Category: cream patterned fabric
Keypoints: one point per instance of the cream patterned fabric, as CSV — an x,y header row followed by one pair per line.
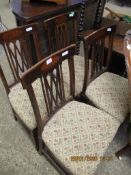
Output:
x,y
79,130
109,92
20,102
79,72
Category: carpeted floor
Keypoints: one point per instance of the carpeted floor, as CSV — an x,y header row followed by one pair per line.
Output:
x,y
17,153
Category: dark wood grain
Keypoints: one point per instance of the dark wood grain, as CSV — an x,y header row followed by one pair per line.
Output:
x,y
17,48
28,12
63,32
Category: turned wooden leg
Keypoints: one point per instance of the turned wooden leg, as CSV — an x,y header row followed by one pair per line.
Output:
x,y
123,151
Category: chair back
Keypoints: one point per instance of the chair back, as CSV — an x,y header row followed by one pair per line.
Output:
x,y
22,49
97,51
127,53
52,86
61,31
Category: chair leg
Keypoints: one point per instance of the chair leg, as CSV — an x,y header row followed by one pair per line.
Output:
x,y
38,142
124,150
41,146
34,135
15,116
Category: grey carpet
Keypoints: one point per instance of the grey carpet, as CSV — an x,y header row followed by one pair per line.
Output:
x,y
17,153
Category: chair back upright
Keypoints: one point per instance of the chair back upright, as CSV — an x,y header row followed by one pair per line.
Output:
x,y
22,49
97,51
127,54
53,86
61,31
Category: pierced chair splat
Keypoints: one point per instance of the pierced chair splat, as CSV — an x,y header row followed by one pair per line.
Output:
x,y
18,51
61,30
102,88
63,33
67,129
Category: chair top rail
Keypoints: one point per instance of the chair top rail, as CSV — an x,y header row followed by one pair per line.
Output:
x,y
47,65
17,44
18,32
100,33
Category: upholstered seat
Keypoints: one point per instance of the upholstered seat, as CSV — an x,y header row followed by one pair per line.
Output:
x,y
78,129
109,92
21,104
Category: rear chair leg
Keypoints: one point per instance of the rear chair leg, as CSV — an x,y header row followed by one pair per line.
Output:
x,y
15,116
34,136
38,142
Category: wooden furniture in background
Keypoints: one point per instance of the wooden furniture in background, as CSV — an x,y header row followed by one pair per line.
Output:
x,y
118,44
39,12
60,2
26,12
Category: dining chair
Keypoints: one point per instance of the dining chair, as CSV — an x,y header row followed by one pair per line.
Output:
x,y
18,51
102,88
71,133
127,53
62,30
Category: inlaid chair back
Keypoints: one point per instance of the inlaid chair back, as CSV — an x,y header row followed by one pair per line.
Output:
x,y
21,46
97,57
61,31
53,87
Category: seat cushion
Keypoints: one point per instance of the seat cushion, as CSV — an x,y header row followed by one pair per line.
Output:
x,y
20,102
109,92
78,129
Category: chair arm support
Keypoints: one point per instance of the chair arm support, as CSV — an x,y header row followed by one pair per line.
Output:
x,y
4,81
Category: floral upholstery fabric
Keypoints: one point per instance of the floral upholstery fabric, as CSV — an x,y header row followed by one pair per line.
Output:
x,y
20,102
78,129
109,92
